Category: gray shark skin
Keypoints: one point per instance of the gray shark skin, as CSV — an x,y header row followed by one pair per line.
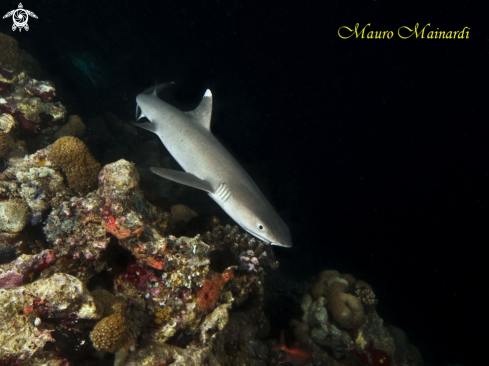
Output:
x,y
209,166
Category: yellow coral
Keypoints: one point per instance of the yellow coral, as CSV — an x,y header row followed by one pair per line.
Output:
x,y
162,315
110,334
76,162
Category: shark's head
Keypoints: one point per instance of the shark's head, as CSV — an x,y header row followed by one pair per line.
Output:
x,y
258,218
271,229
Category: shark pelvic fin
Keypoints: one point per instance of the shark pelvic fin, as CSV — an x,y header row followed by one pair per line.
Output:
x,y
146,125
183,178
203,113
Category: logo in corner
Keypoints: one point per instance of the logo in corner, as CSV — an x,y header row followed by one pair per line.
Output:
x,y
20,17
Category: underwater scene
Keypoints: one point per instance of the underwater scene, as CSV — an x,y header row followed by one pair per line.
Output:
x,y
243,183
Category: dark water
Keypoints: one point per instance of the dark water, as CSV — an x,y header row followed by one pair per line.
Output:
x,y
373,151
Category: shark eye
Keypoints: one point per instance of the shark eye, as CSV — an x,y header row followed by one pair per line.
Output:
x,y
260,227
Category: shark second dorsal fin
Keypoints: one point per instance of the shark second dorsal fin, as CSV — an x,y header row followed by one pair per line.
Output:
x,y
158,88
183,178
202,114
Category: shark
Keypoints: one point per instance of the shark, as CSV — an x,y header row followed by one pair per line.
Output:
x,y
208,165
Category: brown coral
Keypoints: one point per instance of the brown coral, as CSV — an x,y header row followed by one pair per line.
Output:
x,y
366,296
110,334
9,52
76,162
180,216
74,127
346,308
104,301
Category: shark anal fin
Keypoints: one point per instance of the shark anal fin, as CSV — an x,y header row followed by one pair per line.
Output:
x,y
146,125
202,114
183,178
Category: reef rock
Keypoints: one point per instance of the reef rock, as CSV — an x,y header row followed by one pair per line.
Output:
x,y
341,326
28,100
59,297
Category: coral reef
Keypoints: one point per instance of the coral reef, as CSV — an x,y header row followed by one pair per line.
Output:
x,y
75,161
74,127
24,268
91,270
28,100
14,215
13,59
21,333
341,326
110,333
7,141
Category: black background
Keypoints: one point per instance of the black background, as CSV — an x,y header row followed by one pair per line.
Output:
x,y
375,152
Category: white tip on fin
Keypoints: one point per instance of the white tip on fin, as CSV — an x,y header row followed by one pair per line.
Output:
x,y
202,114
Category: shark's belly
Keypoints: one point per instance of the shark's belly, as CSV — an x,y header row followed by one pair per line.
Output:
x,y
202,155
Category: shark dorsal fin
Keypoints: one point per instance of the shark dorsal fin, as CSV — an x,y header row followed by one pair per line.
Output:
x,y
202,114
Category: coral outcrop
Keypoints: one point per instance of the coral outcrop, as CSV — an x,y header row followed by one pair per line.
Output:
x,y
21,333
74,127
14,215
28,100
341,326
75,161
110,333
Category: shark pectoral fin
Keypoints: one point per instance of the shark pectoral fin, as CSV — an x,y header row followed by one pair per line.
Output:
x,y
183,178
146,125
202,114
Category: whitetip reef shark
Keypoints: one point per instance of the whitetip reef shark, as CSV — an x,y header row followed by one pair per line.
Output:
x,y
208,165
